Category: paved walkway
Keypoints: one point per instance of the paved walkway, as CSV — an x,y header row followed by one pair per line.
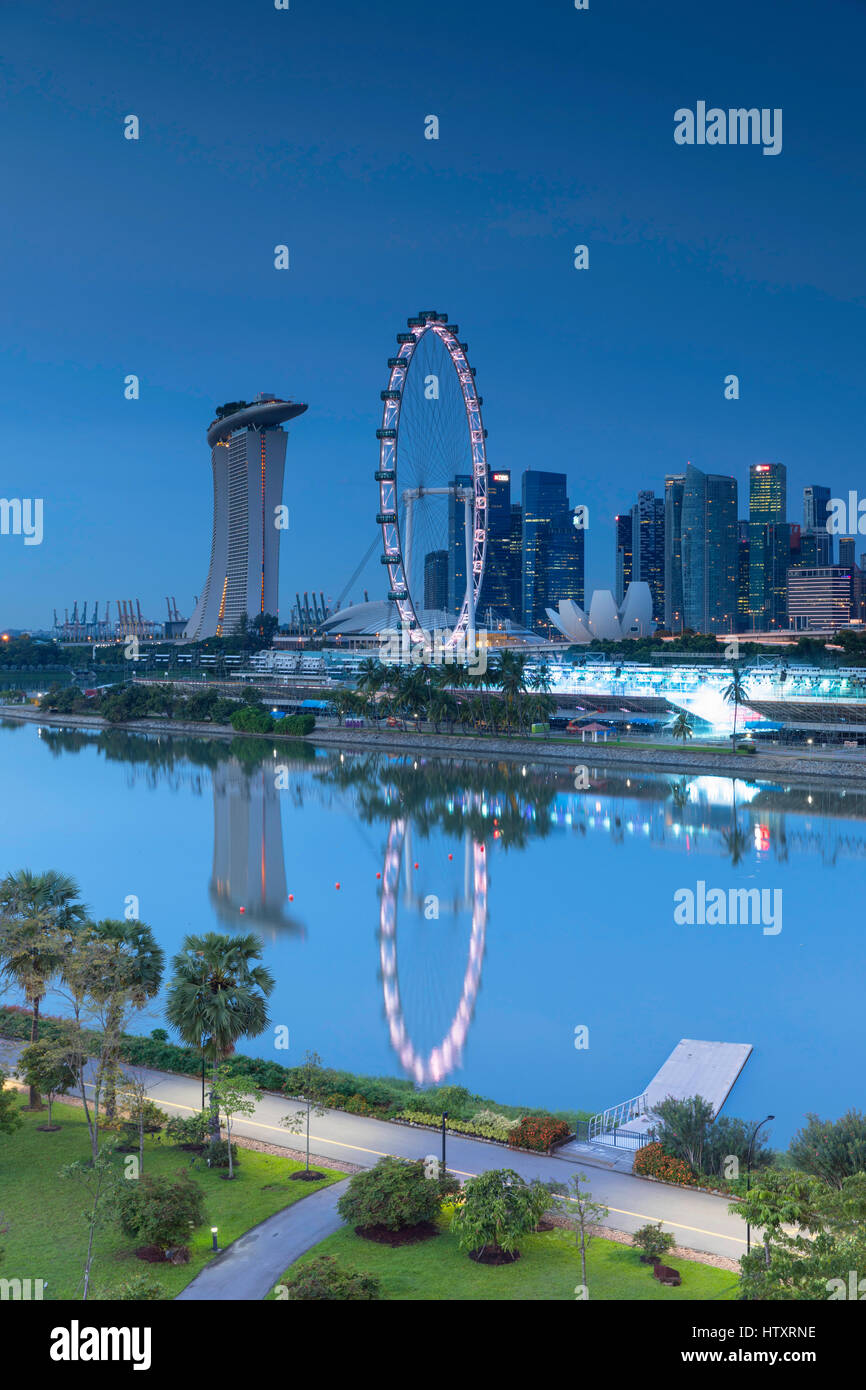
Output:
x,y
698,1220
252,1264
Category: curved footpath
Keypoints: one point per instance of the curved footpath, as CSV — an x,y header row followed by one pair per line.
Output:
x,y
698,1220
253,1263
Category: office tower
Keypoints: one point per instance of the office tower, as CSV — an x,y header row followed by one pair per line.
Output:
x,y
846,551
515,564
436,580
648,547
457,542
623,563
820,599
495,597
710,554
248,454
553,548
674,487
815,502
743,623
767,507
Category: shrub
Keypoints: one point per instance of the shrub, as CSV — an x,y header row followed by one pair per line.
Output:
x,y
498,1207
216,1153
831,1149
252,719
188,1129
395,1194
537,1132
652,1162
161,1211
322,1278
653,1241
493,1126
137,1289
296,724
456,1100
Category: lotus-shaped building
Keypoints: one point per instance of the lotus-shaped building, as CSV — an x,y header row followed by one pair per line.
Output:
x,y
606,621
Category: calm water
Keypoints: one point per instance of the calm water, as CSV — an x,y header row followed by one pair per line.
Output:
x,y
564,918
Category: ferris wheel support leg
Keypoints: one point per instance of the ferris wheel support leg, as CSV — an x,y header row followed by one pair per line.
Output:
x,y
468,523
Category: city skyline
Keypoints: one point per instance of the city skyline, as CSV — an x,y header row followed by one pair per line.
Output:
x,y
695,270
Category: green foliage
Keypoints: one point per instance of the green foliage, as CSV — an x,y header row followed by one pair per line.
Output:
x,y
161,1210
831,1149
395,1194
456,1100
323,1279
252,719
486,1124
498,1208
653,1241
188,1129
10,1120
296,724
216,1154
138,1288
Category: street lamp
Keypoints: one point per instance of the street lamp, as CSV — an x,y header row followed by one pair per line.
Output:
x,y
444,1118
749,1176
213,1232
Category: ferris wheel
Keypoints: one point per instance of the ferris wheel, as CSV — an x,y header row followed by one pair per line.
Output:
x,y
432,478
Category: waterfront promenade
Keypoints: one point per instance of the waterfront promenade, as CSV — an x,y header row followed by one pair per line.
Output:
x,y
698,1220
557,753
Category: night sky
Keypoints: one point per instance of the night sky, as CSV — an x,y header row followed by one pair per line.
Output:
x,y
306,127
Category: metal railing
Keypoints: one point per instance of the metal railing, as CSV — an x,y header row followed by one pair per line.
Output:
x,y
608,1122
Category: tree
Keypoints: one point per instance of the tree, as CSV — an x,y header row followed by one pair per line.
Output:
x,y
234,1096
307,1075
682,1127
396,1194
682,727
142,1115
781,1199
322,1279
498,1208
44,1066
586,1213
126,972
10,1119
217,996
161,1211
37,912
98,1180
735,693
831,1149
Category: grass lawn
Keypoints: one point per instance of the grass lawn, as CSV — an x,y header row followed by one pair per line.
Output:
x,y
47,1236
548,1269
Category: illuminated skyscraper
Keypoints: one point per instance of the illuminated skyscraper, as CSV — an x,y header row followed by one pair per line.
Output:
x,y
553,548
248,454
496,586
674,487
709,551
767,508
648,547
816,499
623,565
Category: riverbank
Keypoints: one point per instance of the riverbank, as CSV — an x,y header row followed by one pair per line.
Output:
x,y
549,752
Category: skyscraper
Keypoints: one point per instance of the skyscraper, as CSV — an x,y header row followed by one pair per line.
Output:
x,y
816,498
553,548
515,564
648,547
846,551
767,507
248,454
457,543
743,549
709,551
623,566
674,486
436,580
496,586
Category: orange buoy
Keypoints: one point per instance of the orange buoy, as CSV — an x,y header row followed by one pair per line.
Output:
x,y
451,856
378,875
291,897
336,885
416,866
243,909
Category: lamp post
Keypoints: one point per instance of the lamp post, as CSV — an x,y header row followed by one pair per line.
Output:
x,y
749,1176
213,1232
444,1118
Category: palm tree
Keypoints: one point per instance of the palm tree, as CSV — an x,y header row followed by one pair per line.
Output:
x,y
372,675
38,912
682,727
130,967
735,693
217,996
541,678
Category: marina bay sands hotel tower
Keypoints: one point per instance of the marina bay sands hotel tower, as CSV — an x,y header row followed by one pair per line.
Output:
x,y
248,455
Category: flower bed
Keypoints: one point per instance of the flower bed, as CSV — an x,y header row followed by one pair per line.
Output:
x,y
652,1162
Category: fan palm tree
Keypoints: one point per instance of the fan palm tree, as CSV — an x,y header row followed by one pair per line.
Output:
x,y
735,693
217,996
372,675
130,968
38,912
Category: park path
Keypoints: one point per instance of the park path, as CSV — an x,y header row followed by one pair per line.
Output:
x,y
253,1263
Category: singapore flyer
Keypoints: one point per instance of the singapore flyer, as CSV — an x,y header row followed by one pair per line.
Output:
x,y
432,478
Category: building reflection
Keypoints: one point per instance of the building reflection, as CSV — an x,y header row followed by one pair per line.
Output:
x,y
248,878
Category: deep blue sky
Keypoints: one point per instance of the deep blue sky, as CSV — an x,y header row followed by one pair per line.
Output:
x,y
306,127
